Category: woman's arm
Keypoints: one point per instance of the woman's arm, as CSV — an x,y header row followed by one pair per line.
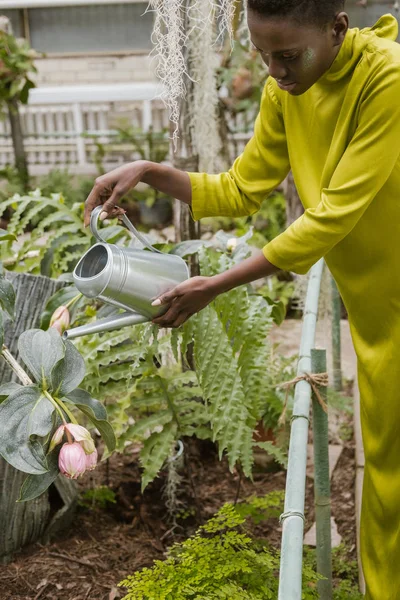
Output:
x,y
111,187
193,295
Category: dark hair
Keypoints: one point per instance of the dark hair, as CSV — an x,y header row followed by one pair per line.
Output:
x,y
313,12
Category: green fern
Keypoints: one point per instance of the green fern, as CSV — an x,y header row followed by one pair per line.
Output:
x,y
138,373
51,234
220,562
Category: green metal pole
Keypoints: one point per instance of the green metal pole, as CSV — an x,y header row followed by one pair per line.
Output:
x,y
321,481
336,351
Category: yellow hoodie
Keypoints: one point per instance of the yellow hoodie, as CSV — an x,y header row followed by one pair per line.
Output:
x,y
342,141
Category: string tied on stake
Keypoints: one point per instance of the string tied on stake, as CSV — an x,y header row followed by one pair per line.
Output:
x,y
315,380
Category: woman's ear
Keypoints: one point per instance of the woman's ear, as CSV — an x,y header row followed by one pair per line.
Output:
x,y
340,28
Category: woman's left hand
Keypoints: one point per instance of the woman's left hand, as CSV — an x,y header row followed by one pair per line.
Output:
x,y
185,300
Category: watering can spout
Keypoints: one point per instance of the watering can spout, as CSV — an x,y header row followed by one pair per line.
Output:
x,y
107,324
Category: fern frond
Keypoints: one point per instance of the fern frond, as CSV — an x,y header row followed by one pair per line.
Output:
x,y
146,425
217,370
274,451
156,449
255,356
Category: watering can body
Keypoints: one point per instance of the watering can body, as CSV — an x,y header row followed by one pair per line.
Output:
x,y
128,278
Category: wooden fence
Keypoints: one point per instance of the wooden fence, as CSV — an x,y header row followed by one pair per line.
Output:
x,y
61,125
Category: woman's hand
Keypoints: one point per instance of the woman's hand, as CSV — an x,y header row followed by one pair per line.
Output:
x,y
111,187
185,300
192,295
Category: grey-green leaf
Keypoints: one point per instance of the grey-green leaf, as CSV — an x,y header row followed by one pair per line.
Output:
x,y
9,388
61,297
35,485
97,414
25,416
189,247
68,373
7,296
40,351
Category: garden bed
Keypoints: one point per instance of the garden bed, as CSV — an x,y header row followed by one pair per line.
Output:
x,y
105,545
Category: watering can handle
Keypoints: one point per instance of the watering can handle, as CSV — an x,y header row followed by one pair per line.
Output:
x,y
94,218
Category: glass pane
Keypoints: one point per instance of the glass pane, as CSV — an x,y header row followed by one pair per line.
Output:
x,y
15,18
367,16
104,28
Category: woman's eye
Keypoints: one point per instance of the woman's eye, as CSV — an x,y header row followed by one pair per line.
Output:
x,y
289,56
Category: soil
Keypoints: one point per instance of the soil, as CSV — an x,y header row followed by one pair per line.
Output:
x,y
103,546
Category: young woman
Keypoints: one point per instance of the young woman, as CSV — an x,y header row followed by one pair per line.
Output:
x,y
330,111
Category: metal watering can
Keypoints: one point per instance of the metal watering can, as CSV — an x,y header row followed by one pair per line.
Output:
x,y
128,278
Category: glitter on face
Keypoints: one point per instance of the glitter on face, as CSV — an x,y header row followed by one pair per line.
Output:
x,y
308,58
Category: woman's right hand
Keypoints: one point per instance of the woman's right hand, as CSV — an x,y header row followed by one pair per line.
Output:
x,y
111,187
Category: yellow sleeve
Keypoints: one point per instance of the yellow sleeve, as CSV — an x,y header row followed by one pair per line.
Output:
x,y
362,171
261,167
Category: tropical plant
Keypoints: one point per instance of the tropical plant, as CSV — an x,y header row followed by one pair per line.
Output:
x,y
35,416
16,65
154,398
7,293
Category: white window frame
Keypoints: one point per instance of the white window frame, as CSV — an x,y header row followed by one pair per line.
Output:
x,y
24,5
10,4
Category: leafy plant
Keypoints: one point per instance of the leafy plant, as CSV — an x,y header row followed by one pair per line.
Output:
x,y
30,414
16,65
146,145
74,189
150,398
10,183
98,497
51,234
267,223
7,293
345,572
220,562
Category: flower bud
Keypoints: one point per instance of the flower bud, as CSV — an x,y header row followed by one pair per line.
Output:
x,y
81,434
60,319
91,460
57,437
72,460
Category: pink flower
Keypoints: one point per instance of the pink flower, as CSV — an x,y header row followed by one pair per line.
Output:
x,y
83,440
60,319
72,460
91,460
79,433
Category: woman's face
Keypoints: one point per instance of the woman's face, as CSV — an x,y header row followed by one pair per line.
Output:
x,y
296,55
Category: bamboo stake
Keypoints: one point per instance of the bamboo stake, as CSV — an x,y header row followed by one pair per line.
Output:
x,y
336,337
321,482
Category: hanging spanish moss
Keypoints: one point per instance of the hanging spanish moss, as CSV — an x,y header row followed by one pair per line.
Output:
x,y
226,14
185,37
169,38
